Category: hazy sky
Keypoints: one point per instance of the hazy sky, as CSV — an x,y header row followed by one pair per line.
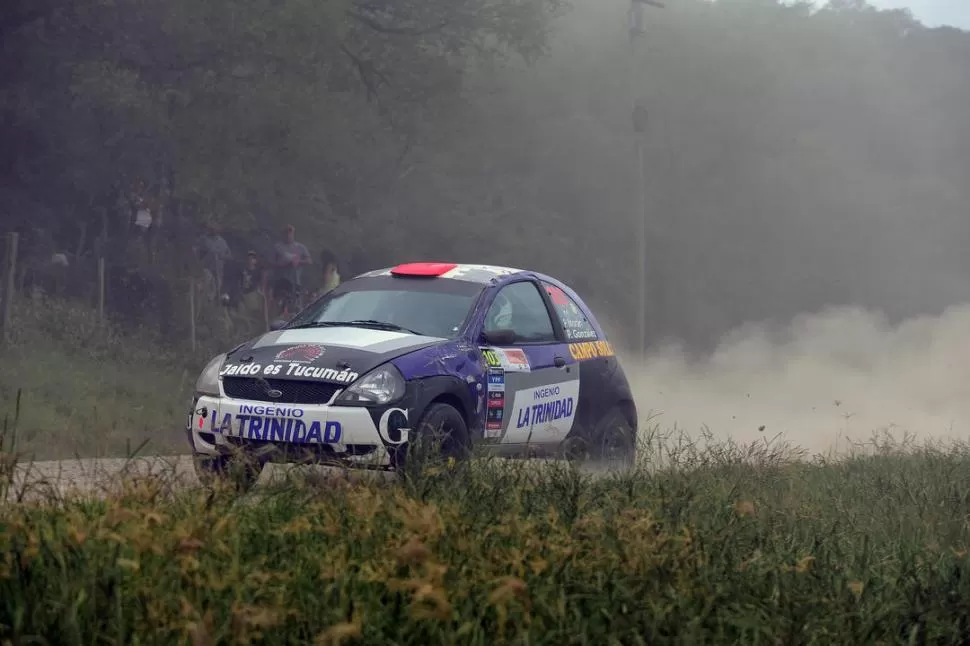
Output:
x,y
933,12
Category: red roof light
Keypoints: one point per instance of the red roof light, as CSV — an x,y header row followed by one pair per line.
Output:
x,y
423,269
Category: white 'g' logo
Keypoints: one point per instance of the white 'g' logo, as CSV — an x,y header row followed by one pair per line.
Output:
x,y
382,427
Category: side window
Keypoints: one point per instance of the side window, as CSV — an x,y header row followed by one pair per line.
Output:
x,y
520,307
574,322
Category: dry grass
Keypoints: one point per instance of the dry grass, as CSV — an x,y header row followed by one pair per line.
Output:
x,y
724,544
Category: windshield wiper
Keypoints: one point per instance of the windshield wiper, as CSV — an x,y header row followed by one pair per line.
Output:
x,y
356,323
316,324
381,324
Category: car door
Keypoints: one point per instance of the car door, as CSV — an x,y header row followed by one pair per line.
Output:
x,y
532,382
594,357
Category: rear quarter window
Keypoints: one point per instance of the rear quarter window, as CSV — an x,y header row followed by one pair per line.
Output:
x,y
574,322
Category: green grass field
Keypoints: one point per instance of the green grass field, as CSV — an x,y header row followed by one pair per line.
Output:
x,y
71,386
728,546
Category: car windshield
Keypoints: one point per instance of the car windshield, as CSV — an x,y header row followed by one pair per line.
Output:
x,y
431,308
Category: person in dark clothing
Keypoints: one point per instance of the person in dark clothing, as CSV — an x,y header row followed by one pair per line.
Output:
x,y
289,258
246,290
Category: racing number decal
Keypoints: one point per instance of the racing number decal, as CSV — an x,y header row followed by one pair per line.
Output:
x,y
491,358
508,359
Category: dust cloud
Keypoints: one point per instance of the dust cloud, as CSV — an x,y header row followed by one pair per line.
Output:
x,y
820,382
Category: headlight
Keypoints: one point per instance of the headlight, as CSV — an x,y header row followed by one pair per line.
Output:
x,y
382,385
208,381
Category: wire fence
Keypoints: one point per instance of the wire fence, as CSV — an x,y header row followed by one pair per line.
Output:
x,y
180,306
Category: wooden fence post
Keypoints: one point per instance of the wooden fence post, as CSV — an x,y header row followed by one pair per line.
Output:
x,y
266,311
192,311
100,289
9,291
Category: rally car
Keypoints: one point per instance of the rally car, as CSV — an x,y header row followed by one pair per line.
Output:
x,y
508,360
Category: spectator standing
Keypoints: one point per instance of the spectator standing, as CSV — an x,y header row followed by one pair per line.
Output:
x,y
246,287
331,277
141,204
213,252
288,260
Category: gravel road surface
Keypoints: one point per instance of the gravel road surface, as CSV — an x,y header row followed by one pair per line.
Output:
x,y
92,475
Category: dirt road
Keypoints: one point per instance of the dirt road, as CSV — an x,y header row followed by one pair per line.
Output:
x,y
94,475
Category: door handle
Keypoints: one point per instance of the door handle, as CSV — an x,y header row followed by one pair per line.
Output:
x,y
560,362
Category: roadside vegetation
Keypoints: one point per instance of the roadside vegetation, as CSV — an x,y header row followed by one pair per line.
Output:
x,y
73,386
712,544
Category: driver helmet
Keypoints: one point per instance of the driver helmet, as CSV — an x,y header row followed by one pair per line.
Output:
x,y
500,314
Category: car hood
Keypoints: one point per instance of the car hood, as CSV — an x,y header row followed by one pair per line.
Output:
x,y
331,354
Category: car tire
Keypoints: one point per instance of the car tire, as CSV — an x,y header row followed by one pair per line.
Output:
x,y
611,445
441,429
212,469
614,442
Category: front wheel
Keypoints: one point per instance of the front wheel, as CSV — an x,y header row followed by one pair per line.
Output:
x,y
241,471
441,433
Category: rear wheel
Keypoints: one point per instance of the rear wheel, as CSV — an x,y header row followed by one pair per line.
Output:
x,y
611,445
241,471
440,434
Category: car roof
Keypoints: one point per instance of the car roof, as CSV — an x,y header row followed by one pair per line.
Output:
x,y
478,274
483,274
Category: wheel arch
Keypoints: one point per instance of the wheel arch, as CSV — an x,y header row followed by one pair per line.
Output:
x,y
448,389
455,402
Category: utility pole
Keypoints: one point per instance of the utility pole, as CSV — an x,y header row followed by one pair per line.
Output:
x,y
637,29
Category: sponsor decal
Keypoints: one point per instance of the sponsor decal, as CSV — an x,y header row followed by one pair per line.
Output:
x,y
464,270
401,432
493,422
557,296
590,350
543,413
240,370
516,360
496,379
509,359
277,424
305,353
344,376
495,407
271,411
546,405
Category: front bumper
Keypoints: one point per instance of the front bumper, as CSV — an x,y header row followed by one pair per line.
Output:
x,y
287,432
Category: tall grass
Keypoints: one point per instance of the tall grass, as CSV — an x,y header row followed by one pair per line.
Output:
x,y
721,544
83,387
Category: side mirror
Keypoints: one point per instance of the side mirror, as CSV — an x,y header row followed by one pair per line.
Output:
x,y
499,337
277,325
